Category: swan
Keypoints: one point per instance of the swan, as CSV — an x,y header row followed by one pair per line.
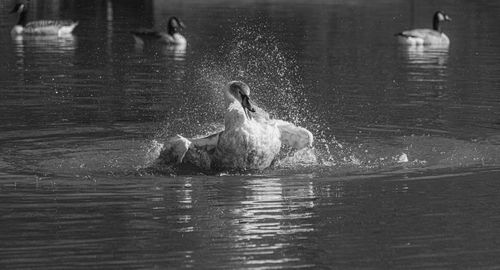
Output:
x,y
251,140
172,36
422,36
41,27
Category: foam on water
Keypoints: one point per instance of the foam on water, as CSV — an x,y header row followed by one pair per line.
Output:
x,y
404,154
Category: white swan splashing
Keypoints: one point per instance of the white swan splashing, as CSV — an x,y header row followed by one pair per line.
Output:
x,y
251,140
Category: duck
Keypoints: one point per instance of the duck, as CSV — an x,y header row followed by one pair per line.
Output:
x,y
251,139
434,36
40,27
171,37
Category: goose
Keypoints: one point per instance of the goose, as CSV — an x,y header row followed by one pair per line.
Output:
x,y
251,140
422,36
172,36
41,27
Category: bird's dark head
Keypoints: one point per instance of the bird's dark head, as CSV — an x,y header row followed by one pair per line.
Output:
x,y
174,24
18,8
441,16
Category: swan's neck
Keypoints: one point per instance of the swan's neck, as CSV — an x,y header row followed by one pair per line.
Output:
x,y
22,18
235,115
170,29
436,24
228,99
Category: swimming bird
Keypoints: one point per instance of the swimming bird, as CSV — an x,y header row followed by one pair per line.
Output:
x,y
434,36
251,140
41,27
172,36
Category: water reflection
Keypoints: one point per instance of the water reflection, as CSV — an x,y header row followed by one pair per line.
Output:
x,y
426,63
269,217
175,52
109,27
245,222
50,52
432,56
269,203
44,44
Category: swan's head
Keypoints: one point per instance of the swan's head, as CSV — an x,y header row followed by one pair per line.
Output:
x,y
441,16
174,24
239,91
17,8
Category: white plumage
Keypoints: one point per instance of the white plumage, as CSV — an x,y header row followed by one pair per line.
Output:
x,y
250,139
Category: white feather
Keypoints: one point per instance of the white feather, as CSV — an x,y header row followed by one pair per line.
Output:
x,y
245,143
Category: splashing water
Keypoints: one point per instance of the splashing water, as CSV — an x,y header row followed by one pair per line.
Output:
x,y
253,55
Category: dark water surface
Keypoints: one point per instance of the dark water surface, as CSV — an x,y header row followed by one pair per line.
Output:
x,y
405,168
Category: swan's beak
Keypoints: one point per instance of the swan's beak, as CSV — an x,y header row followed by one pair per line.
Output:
x,y
447,18
182,25
245,102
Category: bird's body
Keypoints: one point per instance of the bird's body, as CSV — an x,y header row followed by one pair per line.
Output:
x,y
246,143
171,37
425,36
250,139
40,27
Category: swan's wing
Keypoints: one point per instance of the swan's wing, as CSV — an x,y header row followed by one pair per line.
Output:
x,y
208,143
294,136
181,151
49,23
420,33
200,151
175,149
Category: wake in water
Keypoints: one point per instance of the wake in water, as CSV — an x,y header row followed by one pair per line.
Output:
x,y
255,58
253,55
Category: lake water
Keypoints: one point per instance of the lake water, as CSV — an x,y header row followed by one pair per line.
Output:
x,y
405,168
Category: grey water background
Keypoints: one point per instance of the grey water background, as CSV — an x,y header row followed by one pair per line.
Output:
x,y
404,174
